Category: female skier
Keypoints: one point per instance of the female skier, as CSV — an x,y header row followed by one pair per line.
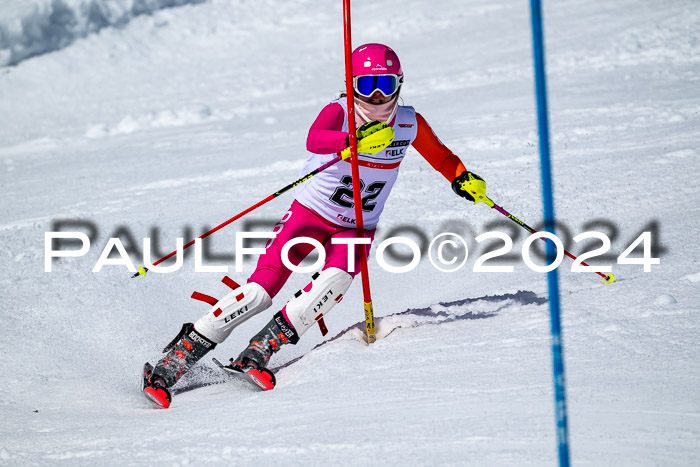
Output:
x,y
323,209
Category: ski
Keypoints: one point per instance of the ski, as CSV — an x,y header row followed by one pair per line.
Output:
x,y
262,379
157,394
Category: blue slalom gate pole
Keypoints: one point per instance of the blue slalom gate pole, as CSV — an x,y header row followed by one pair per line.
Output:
x,y
548,201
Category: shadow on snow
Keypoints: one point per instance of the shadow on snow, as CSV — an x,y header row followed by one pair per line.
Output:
x,y
443,312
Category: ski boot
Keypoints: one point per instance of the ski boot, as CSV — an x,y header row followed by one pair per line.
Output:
x,y
254,359
181,354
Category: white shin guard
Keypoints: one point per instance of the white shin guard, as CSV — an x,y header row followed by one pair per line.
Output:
x,y
317,299
232,310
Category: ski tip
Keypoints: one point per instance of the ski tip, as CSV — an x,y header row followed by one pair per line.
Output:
x,y
159,396
610,279
264,378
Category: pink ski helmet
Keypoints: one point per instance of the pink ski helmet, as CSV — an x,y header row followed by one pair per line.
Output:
x,y
375,59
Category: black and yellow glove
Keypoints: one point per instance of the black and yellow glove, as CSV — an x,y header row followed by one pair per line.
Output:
x,y
470,186
372,137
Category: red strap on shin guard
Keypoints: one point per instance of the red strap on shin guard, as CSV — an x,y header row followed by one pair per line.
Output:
x,y
230,283
322,325
204,298
233,285
207,299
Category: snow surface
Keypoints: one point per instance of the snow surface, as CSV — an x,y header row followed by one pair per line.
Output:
x,y
30,28
182,117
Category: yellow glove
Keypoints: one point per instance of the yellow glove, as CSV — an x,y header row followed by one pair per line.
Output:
x,y
372,137
470,186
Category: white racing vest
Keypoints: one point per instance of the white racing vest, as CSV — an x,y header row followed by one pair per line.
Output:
x,y
330,194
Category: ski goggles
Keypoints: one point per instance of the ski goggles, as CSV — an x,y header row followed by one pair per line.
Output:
x,y
366,85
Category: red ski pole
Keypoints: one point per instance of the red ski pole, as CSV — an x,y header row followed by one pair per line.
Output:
x,y
609,279
143,270
356,184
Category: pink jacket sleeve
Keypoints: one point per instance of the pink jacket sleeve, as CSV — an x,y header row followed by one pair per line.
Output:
x,y
325,135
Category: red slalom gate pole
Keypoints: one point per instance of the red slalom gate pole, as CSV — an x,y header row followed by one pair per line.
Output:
x,y
335,160
357,196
